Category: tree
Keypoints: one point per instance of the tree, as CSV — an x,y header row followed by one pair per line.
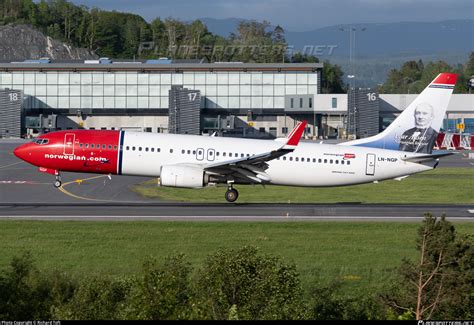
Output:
x,y
441,282
244,284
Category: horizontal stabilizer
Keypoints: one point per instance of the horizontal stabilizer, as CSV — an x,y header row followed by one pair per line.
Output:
x,y
424,158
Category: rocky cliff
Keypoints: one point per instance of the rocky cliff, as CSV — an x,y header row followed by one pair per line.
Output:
x,y
21,42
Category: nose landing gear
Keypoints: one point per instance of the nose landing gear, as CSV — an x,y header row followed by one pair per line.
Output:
x,y
57,182
231,194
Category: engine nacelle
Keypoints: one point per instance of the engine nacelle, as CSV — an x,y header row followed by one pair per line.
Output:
x,y
182,176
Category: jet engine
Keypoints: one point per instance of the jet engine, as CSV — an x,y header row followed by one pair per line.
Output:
x,y
182,176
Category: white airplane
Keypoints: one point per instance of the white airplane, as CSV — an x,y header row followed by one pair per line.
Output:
x,y
190,161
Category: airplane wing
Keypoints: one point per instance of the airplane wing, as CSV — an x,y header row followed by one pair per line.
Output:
x,y
253,168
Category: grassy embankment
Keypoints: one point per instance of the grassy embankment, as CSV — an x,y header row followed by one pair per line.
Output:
x,y
358,253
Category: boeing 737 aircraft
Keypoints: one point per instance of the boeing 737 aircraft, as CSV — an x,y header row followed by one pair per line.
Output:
x,y
404,148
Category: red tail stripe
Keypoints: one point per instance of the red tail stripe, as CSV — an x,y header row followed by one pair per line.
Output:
x,y
446,79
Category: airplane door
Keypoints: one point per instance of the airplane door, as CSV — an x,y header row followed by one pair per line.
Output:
x,y
370,167
69,143
199,153
211,154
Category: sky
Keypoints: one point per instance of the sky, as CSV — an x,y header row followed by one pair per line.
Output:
x,y
296,15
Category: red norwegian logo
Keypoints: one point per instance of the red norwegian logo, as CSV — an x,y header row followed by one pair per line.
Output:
x,y
349,155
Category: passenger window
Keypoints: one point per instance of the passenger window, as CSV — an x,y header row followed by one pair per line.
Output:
x,y
337,162
110,146
291,158
230,154
342,162
183,151
236,155
115,147
158,149
314,160
189,152
348,162
308,160
171,150
223,154
325,161
217,154
242,155
92,145
284,158
319,160
128,148
98,146
104,146
330,161
146,149
87,145
80,145
297,159
133,148
139,148
194,152
152,149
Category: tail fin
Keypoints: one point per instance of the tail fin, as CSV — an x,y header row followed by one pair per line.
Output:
x,y
416,128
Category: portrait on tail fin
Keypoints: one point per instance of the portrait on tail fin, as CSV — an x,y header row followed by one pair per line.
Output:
x,y
422,137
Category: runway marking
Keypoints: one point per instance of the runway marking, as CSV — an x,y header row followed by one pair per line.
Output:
x,y
79,181
19,162
22,182
470,211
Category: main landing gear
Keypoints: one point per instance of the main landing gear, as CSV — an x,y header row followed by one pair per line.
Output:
x,y
57,182
231,194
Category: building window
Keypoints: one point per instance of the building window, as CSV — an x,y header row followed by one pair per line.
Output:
x,y
261,130
310,102
292,102
284,130
301,102
334,102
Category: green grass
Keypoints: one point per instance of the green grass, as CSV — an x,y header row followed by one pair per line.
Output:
x,y
442,185
359,253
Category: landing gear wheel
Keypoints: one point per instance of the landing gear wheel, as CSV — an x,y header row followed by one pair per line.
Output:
x,y
231,195
57,183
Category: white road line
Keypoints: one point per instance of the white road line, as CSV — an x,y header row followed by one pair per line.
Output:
x,y
470,211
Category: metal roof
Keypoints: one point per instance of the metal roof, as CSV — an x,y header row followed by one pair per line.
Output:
x,y
173,67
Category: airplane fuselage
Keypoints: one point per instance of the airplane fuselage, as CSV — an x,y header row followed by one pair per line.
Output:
x,y
144,154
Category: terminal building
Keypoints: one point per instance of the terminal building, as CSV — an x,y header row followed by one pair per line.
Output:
x,y
234,99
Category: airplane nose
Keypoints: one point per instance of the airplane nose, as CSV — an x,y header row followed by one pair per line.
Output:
x,y
22,151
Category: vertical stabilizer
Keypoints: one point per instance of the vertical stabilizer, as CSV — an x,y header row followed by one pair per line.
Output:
x,y
416,128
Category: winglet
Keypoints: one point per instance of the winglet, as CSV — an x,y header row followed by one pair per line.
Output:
x,y
295,135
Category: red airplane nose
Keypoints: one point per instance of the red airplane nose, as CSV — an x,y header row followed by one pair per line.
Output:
x,y
22,151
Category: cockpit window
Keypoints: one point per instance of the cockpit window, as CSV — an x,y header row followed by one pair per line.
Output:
x,y
41,141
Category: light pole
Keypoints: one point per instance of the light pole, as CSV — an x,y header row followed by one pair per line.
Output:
x,y
352,43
